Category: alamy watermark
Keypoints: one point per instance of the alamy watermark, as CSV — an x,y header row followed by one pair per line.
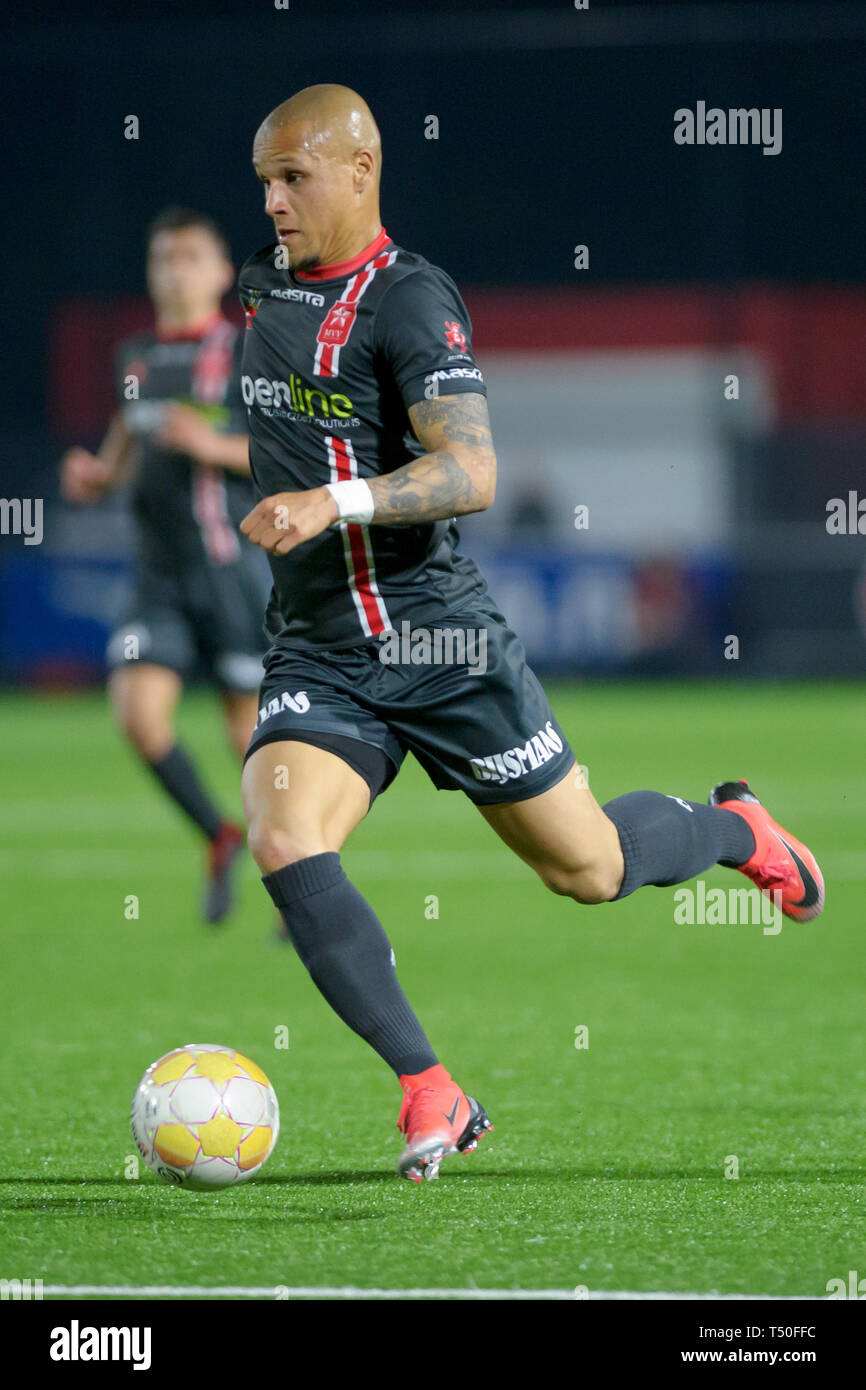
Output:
x,y
438,646
846,516
736,126
77,1343
854,1288
20,1290
22,516
728,907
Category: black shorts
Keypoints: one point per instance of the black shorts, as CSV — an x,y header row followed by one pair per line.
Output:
x,y
203,623
459,695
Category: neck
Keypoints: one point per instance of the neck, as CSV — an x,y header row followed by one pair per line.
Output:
x,y
170,324
359,249
353,242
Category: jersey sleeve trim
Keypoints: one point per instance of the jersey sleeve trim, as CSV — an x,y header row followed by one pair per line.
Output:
x,y
424,360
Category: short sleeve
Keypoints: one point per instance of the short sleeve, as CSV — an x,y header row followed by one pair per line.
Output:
x,y
424,337
237,422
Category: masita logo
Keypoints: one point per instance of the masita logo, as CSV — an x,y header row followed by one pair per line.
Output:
x,y
449,373
77,1343
298,704
432,379
300,297
515,762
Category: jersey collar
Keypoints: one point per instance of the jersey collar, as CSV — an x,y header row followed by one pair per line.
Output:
x,y
340,269
194,332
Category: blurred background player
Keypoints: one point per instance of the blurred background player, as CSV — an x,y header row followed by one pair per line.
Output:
x,y
199,591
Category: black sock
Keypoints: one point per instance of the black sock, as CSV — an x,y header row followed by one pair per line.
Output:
x,y
177,774
342,943
666,839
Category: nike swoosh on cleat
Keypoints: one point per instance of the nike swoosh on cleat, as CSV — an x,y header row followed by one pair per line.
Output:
x,y
450,1118
811,893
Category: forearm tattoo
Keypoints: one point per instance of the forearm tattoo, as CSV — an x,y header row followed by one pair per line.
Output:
x,y
440,484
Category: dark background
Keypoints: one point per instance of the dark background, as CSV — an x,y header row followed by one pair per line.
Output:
x,y
555,128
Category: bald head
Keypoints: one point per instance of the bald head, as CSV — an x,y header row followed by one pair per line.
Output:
x,y
319,156
336,121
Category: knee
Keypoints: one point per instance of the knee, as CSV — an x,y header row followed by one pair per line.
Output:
x,y
596,882
151,738
273,846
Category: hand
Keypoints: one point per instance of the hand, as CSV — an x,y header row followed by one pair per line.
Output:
x,y
84,477
287,519
186,432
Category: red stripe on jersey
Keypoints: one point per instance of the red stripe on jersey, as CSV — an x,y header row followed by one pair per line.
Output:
x,y
361,580
211,513
210,378
339,320
213,364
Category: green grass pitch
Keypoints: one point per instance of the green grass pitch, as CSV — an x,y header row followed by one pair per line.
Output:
x,y
607,1166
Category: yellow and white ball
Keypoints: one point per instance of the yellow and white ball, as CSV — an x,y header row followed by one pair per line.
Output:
x,y
205,1116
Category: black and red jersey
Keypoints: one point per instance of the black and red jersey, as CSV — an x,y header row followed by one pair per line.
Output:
x,y
332,361
185,512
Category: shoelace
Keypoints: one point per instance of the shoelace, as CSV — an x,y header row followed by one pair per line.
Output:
x,y
776,872
409,1101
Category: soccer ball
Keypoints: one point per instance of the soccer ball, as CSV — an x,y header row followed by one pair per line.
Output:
x,y
205,1116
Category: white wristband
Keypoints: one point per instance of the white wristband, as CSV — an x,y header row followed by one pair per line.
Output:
x,y
354,500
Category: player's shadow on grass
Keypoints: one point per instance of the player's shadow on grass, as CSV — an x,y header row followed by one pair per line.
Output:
x,y
300,1179
661,1174
349,1177
246,1216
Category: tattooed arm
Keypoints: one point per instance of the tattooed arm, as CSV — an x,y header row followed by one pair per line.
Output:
x,y
456,475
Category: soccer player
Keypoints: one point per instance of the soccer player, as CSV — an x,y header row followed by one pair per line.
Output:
x,y
199,589
369,434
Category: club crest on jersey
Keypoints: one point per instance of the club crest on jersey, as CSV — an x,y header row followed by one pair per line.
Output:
x,y
251,308
454,335
337,324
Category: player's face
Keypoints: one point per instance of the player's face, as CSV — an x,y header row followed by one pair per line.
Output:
x,y
187,272
308,194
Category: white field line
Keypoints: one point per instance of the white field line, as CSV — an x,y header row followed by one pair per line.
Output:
x,y
283,1292
33,862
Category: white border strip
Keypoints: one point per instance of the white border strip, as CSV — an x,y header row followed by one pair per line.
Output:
x,y
283,1291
